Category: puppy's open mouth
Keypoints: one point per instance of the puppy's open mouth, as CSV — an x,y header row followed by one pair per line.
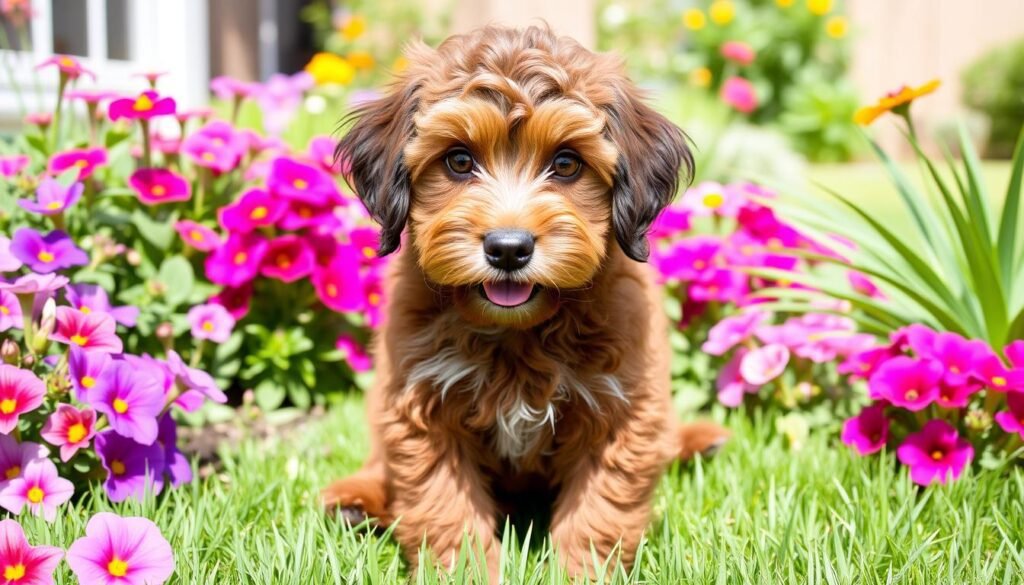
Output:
x,y
508,293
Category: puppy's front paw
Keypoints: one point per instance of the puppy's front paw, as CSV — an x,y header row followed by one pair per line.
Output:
x,y
704,437
356,499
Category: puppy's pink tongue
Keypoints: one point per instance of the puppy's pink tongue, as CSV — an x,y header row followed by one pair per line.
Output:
x,y
507,293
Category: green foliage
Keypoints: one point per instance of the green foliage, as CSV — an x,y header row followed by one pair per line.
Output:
x,y
994,85
817,118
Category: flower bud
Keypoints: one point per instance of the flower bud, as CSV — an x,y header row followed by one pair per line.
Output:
x,y
41,338
10,352
133,258
978,420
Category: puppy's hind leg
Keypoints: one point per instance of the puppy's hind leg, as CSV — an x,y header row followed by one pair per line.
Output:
x,y
360,496
704,437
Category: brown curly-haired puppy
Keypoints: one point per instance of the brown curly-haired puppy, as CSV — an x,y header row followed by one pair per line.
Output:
x,y
525,347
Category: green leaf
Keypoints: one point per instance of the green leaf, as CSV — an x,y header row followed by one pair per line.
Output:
x,y
38,143
1007,243
159,234
269,394
177,276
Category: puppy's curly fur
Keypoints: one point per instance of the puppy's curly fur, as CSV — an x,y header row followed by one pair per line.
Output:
x,y
479,407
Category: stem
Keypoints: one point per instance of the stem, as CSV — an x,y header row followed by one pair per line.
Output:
x,y
93,124
57,111
27,302
205,184
146,148
197,355
58,221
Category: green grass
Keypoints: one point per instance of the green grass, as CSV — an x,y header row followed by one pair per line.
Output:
x,y
756,513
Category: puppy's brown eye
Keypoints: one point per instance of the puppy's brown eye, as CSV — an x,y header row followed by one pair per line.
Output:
x,y
566,164
459,161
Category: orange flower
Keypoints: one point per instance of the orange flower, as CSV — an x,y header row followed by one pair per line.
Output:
x,y
897,102
360,59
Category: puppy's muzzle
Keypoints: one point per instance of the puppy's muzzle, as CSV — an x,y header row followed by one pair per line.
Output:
x,y
509,249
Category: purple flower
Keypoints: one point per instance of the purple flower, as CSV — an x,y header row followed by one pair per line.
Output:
x,y
731,385
132,468
868,431
10,311
48,253
937,453
11,166
35,284
89,298
253,210
40,488
731,331
24,564
21,391
8,261
52,198
131,397
15,457
238,260
70,429
229,88
764,364
301,182
121,551
175,463
907,382
1012,421
217,146
211,322
192,379
85,368
90,331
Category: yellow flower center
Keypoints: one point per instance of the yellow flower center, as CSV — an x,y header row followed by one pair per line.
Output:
x,y
143,104
300,184
117,467
693,19
158,190
120,406
713,200
85,310
911,394
53,205
701,77
283,261
305,212
218,141
81,163
8,405
373,298
936,455
241,257
836,27
819,7
67,62
999,381
12,472
76,433
196,235
207,325
954,369
332,290
258,213
722,12
699,264
45,256
14,572
87,382
117,568
35,494
208,156
79,340
369,252
4,311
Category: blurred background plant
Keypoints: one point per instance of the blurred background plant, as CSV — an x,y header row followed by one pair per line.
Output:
x,y
994,86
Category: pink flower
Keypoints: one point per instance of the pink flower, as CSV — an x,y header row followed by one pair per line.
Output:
x,y
121,551
217,146
197,235
238,260
321,151
907,382
151,76
91,298
868,431
9,262
131,396
15,457
731,331
739,93
23,564
90,331
86,160
229,88
235,299
301,182
35,284
212,322
1012,421
711,198
40,488
338,284
21,391
731,385
11,166
764,364
146,106
253,210
69,67
70,429
40,119
288,258
863,285
90,97
354,353
10,311
155,186
52,198
738,52
937,453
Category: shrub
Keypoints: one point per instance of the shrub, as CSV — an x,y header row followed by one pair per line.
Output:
x,y
994,85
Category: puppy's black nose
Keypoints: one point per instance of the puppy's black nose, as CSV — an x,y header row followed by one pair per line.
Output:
x,y
508,249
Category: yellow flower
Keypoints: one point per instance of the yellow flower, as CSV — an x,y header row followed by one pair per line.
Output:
x,y
694,19
783,3
722,12
836,27
897,101
819,7
701,77
330,68
353,27
360,59
400,64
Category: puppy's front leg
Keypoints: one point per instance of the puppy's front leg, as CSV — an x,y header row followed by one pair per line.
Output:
x,y
439,495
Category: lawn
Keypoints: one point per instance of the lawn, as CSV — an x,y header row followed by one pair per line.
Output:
x,y
758,512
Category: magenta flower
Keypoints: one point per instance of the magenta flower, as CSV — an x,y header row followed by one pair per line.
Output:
x,y
68,66
48,253
672,221
86,160
1012,421
191,379
90,331
373,293
132,468
121,551
131,397
39,488
730,384
732,330
738,52
304,215
868,431
229,88
217,146
989,369
864,285
238,260
764,364
354,353
690,259
864,363
338,284
8,261
146,106
156,186
197,235
21,391
739,93
212,322
253,210
24,564
52,198
907,382
288,258
301,182
321,151
10,311
720,284
937,453
15,457
70,429
85,368
175,463
366,240
235,299
13,165
957,355
91,298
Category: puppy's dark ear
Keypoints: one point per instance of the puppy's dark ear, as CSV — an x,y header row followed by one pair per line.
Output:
x,y
652,153
372,153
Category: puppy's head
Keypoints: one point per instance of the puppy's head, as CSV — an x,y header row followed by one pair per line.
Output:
x,y
516,159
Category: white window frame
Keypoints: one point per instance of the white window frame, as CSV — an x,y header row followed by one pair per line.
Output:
x,y
166,35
